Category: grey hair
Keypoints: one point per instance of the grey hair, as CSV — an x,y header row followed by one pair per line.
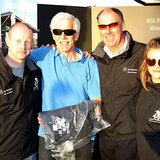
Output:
x,y
63,15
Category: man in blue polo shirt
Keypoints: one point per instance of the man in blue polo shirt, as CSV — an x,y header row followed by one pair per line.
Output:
x,y
68,77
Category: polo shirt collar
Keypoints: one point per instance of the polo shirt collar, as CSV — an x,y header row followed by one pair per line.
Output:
x,y
76,49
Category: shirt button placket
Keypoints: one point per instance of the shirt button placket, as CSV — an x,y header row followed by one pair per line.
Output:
x,y
65,64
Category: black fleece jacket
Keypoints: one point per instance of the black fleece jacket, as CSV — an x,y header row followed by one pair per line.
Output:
x,y
148,122
120,85
20,102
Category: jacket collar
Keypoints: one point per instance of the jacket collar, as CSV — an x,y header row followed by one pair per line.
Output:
x,y
153,87
4,65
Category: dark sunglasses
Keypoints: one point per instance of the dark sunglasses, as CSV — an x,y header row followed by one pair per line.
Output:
x,y
67,32
111,26
152,62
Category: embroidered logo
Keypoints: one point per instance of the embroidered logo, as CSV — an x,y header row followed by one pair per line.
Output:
x,y
36,84
6,92
128,70
156,117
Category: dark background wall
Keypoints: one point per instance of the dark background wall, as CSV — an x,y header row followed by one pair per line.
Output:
x,y
45,14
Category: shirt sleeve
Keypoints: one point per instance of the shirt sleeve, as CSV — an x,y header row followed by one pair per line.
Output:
x,y
93,80
39,54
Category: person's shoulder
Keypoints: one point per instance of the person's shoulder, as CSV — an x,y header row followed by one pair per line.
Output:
x,y
90,62
4,50
131,41
43,49
86,60
31,65
140,44
138,50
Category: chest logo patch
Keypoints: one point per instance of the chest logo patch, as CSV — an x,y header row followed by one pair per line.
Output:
x,y
6,92
130,70
156,117
36,84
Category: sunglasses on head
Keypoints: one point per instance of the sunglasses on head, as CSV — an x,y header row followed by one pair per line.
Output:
x,y
152,62
111,26
67,32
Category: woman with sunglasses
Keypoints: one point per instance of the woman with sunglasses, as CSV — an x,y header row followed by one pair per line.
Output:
x,y
148,103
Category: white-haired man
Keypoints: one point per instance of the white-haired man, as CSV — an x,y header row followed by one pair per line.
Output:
x,y
67,76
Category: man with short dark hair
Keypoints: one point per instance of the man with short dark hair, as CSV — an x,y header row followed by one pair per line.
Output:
x,y
118,57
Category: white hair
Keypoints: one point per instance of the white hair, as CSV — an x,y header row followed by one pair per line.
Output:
x,y
63,15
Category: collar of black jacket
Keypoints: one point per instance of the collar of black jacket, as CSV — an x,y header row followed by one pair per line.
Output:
x,y
4,51
153,87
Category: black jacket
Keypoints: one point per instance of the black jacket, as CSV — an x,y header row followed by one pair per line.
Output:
x,y
148,123
20,102
119,86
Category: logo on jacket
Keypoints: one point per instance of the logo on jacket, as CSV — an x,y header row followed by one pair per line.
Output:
x,y
156,117
128,70
36,84
7,91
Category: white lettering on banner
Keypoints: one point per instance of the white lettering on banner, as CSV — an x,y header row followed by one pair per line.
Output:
x,y
154,28
155,24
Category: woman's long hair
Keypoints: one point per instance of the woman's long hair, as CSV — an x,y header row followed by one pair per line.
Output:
x,y
144,74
